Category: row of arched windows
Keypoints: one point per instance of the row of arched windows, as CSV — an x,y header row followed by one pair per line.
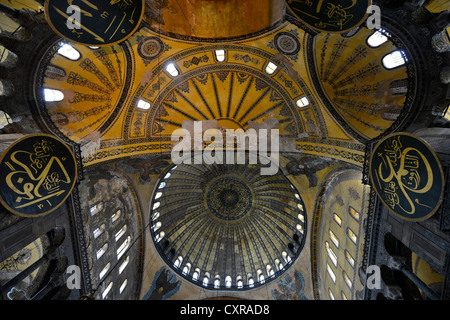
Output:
x,y
332,246
120,237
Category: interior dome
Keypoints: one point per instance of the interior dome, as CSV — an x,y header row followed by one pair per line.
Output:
x,y
226,226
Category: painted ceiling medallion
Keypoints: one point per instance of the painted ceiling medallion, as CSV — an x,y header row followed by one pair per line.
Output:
x,y
330,15
287,43
225,226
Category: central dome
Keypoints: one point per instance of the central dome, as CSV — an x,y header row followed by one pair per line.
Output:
x,y
227,226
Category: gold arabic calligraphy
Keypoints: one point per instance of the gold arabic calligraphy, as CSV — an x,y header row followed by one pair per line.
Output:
x,y
408,171
337,15
39,178
88,10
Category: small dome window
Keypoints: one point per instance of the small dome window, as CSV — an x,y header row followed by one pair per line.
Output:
x,y
302,102
69,52
377,38
172,70
52,95
143,105
220,55
394,59
271,68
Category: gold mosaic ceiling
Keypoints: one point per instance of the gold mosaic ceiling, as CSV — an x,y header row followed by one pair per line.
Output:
x,y
104,87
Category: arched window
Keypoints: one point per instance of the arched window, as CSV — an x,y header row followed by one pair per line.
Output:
x,y
220,55
122,287
69,52
347,280
334,239
123,247
143,105
53,95
251,282
96,208
331,254
178,262
351,235
337,219
162,185
286,257
271,68
155,216
394,59
156,205
278,264
217,281
107,290
377,38
228,281
98,231
104,271
120,233
157,225
353,213
172,70
187,268
349,258
196,274
124,264
331,273
206,279
302,102
239,282
269,270
300,228
260,276
159,236
116,216
102,250
330,294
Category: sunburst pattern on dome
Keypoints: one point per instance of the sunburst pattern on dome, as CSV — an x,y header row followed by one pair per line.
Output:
x,y
227,226
90,83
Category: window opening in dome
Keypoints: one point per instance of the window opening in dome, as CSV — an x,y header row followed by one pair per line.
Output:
x,y
337,219
122,287
104,271
347,280
120,233
98,231
302,102
102,251
220,55
331,273
271,68
394,59
124,264
377,38
69,52
172,70
334,239
143,105
349,258
107,290
52,95
331,253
